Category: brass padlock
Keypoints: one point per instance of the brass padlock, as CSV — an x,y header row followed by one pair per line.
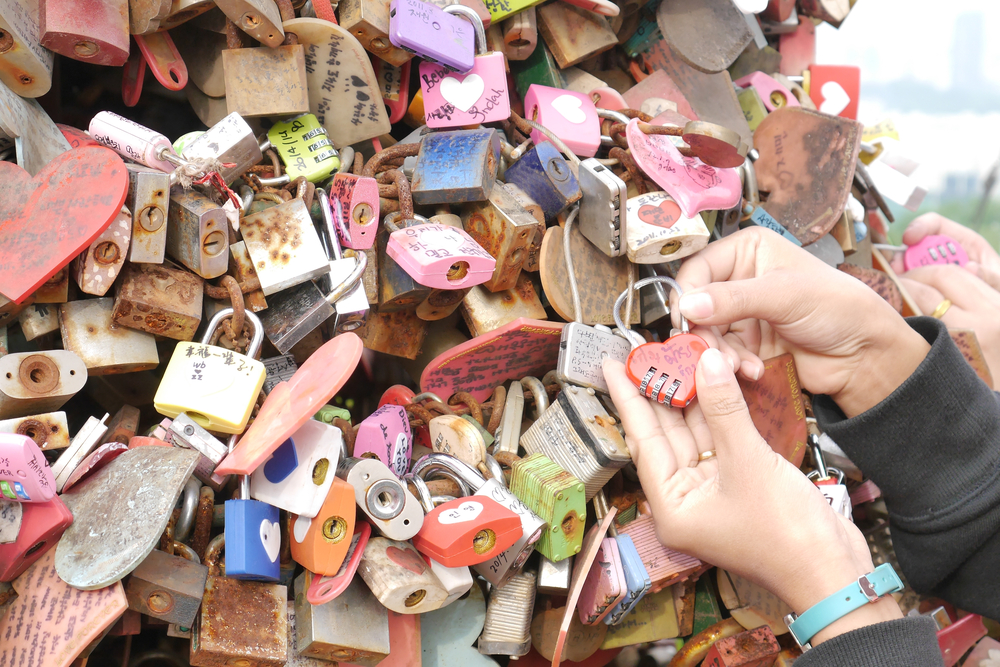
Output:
x,y
159,299
167,587
505,230
88,329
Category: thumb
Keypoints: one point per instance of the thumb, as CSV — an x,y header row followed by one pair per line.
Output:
x,y
735,437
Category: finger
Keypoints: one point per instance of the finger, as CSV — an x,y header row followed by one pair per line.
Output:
x,y
961,287
988,275
694,416
678,434
778,297
975,245
732,356
746,254
926,297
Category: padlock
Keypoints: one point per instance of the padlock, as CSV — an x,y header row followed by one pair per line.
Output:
x,y
134,141
935,249
752,648
197,235
432,33
478,95
441,303
555,496
253,536
33,382
48,430
230,606
353,627
88,329
507,630
602,218
485,311
159,299
322,544
546,177
520,34
96,268
359,208
80,447
577,433
582,351
28,66
439,256
97,35
466,532
304,148
241,268
229,141
284,246
298,475
452,435
281,369
657,230
498,571
145,17
772,94
829,481
456,166
386,435
396,288
604,586
554,578
368,20
25,475
400,578
663,372
570,116
42,524
352,308
185,432
167,587
215,386
636,577
37,320
539,68
148,199
752,106
389,506
752,208
258,18
664,565
504,229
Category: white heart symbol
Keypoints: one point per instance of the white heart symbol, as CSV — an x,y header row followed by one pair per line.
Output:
x,y
835,98
462,94
467,511
300,528
751,6
569,107
270,537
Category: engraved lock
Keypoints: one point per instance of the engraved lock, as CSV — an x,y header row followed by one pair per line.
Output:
x,y
28,66
80,447
577,433
353,627
368,21
503,228
604,586
96,268
456,580
33,382
456,166
657,231
479,95
197,233
148,199
603,220
545,175
452,435
829,480
98,35
25,475
400,578
441,303
258,18
390,507
467,531
49,430
159,299
284,246
352,308
280,369
499,570
253,535
663,372
230,141
935,249
570,116
298,475
218,634
87,328
386,435
558,498
42,524
432,33
304,148
582,351
441,257
167,587
359,208
507,630
635,576
321,544
133,141
215,386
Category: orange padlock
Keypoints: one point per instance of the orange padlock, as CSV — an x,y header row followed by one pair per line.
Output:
x,y
467,531
320,544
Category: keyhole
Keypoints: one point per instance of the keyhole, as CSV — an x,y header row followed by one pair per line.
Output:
x,y
484,541
777,99
334,529
415,598
458,271
249,21
86,49
319,471
214,243
670,247
106,252
518,43
362,214
160,602
151,218
568,524
6,41
558,169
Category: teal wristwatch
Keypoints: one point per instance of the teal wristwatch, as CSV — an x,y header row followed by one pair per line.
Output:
x,y
868,588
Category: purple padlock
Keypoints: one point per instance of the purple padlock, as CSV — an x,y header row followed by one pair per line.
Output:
x,y
440,256
25,475
386,435
432,33
935,249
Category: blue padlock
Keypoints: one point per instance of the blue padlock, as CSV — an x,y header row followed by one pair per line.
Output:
x,y
455,167
253,536
636,580
545,176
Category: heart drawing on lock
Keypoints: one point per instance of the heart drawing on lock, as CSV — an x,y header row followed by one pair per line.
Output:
x,y
467,511
835,98
663,215
48,219
569,107
463,95
270,537
664,372
407,558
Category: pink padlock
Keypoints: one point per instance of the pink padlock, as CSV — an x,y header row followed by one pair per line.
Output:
x,y
25,475
131,140
604,586
772,94
440,256
359,206
386,435
935,249
570,116
478,96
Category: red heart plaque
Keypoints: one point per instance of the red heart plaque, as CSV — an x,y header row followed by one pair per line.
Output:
x,y
664,372
664,215
48,220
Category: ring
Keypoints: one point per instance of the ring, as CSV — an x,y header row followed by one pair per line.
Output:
x,y
941,309
706,456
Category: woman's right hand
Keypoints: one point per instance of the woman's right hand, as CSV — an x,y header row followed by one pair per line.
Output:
x,y
984,261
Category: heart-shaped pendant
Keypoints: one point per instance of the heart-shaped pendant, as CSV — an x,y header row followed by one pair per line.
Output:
x,y
664,372
48,220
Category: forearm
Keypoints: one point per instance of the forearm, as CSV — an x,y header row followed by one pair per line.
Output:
x,y
906,642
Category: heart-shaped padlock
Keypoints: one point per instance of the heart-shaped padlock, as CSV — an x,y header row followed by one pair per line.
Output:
x,y
663,372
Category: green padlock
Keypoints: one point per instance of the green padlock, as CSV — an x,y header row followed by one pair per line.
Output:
x,y
753,107
558,498
328,413
540,67
304,148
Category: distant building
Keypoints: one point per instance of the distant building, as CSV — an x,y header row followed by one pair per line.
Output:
x,y
960,186
967,52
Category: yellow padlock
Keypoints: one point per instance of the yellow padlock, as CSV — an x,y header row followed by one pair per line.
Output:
x,y
215,386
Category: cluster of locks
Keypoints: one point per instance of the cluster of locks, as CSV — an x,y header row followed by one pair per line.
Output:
x,y
476,238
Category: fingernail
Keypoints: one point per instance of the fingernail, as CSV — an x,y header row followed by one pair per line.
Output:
x,y
697,306
714,367
972,266
732,364
750,370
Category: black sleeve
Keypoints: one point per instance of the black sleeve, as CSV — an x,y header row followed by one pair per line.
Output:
x,y
906,642
933,448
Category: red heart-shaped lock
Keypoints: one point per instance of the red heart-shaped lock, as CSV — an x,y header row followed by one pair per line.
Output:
x,y
664,372
664,215
48,220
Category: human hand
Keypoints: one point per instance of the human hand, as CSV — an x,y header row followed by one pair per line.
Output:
x,y
754,295
747,510
984,261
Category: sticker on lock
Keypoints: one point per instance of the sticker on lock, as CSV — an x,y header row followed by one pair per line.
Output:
x,y
467,531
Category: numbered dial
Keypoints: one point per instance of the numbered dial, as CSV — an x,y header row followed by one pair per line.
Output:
x,y
664,372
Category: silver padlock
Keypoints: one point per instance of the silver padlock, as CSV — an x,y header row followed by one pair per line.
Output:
x,y
582,351
187,433
353,626
352,308
507,630
388,504
602,208
149,201
284,246
229,141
